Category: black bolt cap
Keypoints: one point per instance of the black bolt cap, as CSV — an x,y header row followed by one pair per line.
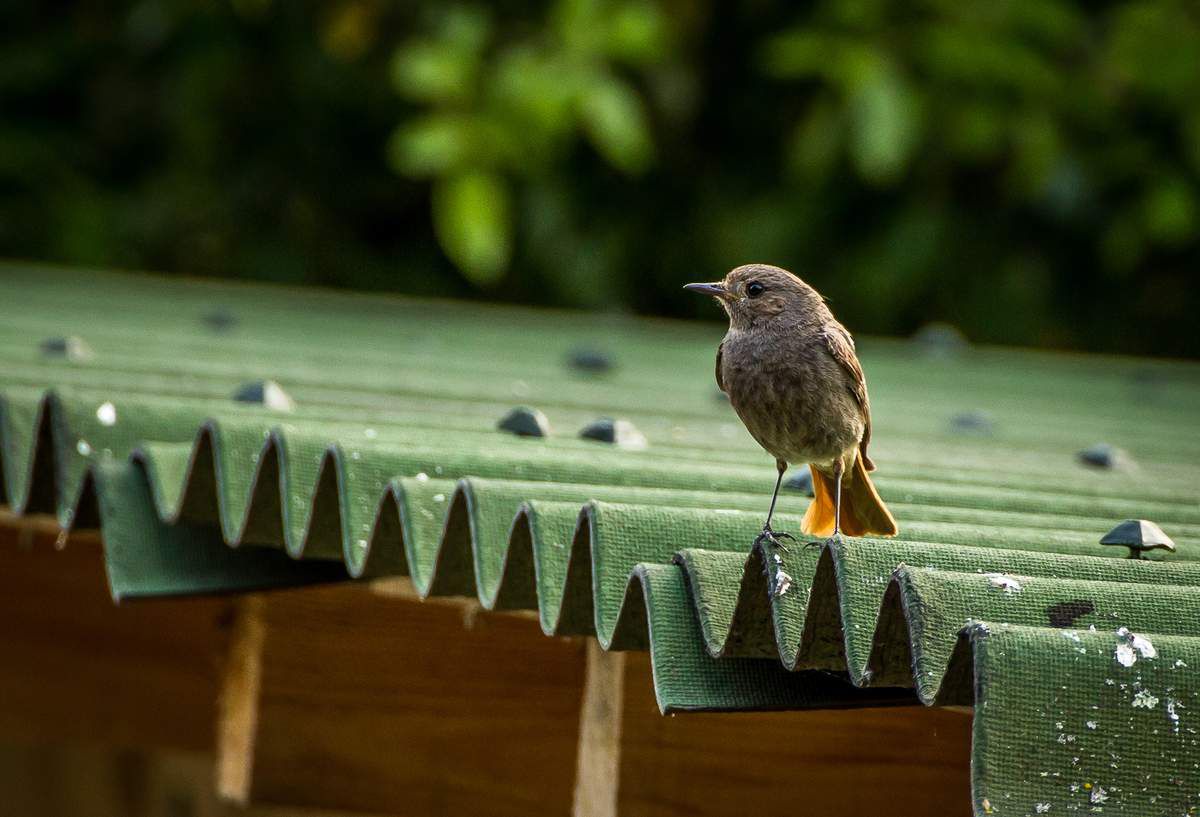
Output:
x,y
973,422
525,422
220,319
267,393
1103,455
621,433
800,481
592,361
1138,535
69,347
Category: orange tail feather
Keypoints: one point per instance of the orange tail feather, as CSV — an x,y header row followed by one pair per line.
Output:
x,y
863,511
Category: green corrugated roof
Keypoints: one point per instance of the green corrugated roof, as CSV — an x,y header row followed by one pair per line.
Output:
x,y
390,463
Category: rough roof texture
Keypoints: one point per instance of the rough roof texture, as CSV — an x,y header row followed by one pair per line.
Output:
x,y
390,463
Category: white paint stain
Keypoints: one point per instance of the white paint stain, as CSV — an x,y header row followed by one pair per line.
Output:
x,y
1142,699
1006,583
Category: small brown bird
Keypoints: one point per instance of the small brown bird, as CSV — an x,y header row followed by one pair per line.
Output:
x,y
791,373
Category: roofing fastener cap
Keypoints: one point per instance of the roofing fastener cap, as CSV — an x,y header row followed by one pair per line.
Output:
x,y
1138,535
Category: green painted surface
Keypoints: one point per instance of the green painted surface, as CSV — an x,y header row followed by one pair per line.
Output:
x,y
390,464
1066,726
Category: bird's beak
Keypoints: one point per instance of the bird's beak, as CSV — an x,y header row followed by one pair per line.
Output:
x,y
716,289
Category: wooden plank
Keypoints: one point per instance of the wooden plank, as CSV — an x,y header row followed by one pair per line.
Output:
x,y
361,699
50,781
375,702
293,811
78,668
176,784
835,763
68,780
597,776
64,780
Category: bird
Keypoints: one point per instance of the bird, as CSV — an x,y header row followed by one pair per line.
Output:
x,y
791,373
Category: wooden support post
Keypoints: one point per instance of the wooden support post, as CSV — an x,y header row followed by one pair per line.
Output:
x,y
238,705
597,776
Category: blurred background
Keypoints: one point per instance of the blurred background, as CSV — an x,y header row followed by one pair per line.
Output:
x,y
1027,170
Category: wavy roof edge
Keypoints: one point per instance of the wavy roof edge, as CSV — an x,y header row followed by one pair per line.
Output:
x,y
126,501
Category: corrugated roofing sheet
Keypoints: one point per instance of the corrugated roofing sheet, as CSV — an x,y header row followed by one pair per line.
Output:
x,y
996,594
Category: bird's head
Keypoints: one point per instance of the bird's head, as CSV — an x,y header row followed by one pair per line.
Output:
x,y
754,293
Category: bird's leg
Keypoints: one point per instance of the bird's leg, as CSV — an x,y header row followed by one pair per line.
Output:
x,y
768,534
838,470
781,466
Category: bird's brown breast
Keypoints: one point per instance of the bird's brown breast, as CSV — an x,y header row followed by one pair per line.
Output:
x,y
790,393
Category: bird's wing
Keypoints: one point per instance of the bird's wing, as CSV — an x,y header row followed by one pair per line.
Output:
x,y
720,383
841,346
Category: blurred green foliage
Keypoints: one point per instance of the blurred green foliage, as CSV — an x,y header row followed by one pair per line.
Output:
x,y
1026,170
504,108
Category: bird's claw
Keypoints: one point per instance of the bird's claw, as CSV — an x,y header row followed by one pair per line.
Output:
x,y
774,538
836,539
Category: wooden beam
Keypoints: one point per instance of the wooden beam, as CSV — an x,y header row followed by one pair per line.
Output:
x,y
292,811
371,701
597,776
356,699
832,763
78,668
57,780
375,702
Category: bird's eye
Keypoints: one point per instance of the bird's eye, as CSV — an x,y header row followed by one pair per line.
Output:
x,y
754,289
